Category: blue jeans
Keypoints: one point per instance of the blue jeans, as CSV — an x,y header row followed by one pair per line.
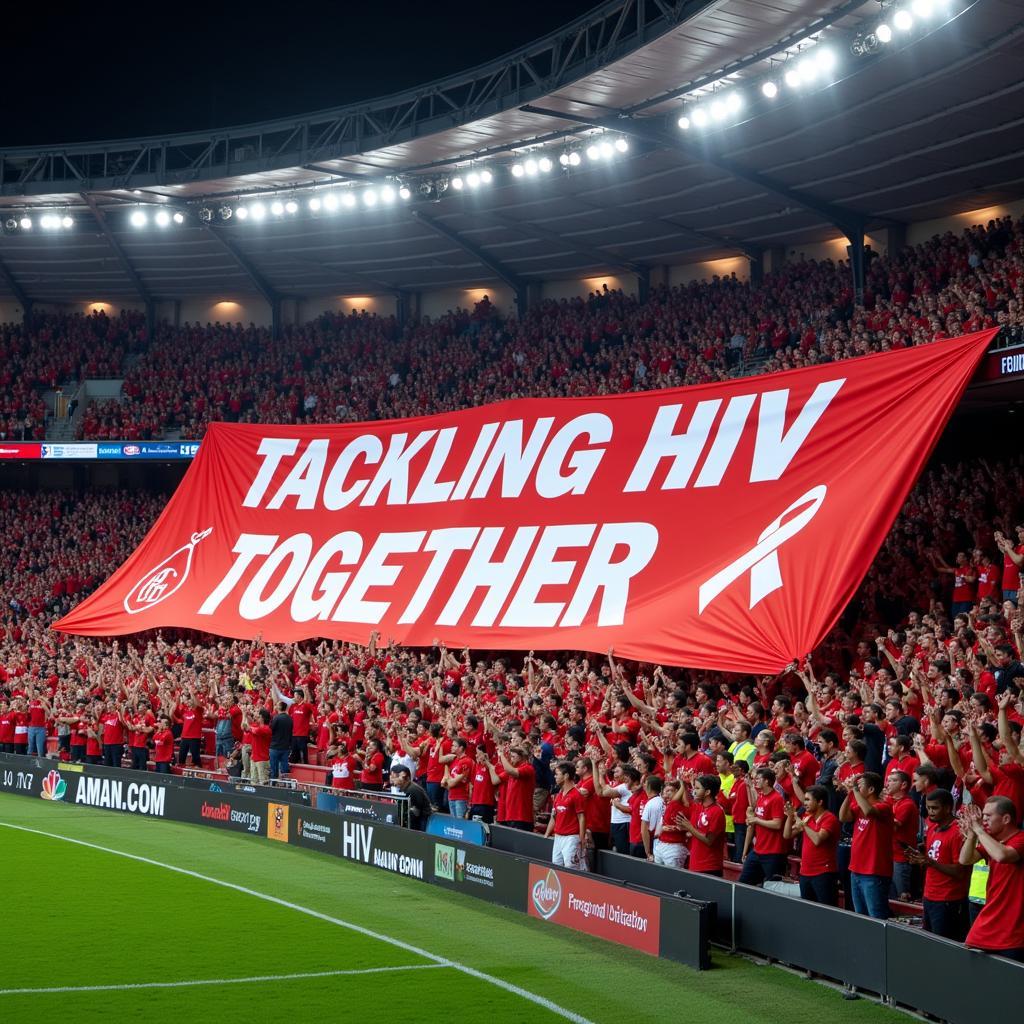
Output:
x,y
1011,595
902,880
278,762
37,740
870,894
759,867
458,808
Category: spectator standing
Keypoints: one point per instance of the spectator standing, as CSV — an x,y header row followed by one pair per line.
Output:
x,y
946,880
280,741
871,853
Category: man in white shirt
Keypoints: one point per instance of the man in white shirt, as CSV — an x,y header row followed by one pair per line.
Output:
x,y
650,817
618,793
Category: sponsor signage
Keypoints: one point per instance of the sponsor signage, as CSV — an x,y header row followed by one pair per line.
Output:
x,y
21,450
386,812
478,871
1003,364
391,849
70,451
277,822
316,831
465,830
237,813
597,908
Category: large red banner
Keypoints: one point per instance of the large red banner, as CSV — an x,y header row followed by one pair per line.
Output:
x,y
721,526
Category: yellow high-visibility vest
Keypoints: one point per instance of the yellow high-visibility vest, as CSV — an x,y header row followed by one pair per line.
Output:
x,y
978,891
728,781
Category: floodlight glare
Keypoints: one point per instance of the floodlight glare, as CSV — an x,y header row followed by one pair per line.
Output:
x,y
387,194
242,213
162,218
903,21
517,170
457,183
718,110
404,192
770,90
700,117
593,153
138,219
258,211
67,222
486,177
531,167
825,58
473,179
607,149
331,202
277,208
792,78
883,33
370,197
25,223
563,159
314,203
734,102
544,163
684,123
923,8
291,206
348,200
622,145
575,159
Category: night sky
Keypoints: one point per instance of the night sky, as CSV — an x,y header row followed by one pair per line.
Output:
x,y
106,71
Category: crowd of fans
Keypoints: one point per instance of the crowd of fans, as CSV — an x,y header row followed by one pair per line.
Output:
x,y
878,769
362,367
887,766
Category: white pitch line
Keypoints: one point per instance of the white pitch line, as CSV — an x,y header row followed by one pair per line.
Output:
x,y
440,961
215,981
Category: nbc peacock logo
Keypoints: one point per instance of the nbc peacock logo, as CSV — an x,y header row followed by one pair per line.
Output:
x,y
54,787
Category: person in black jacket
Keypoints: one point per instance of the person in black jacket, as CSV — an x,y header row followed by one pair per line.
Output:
x,y
419,803
280,741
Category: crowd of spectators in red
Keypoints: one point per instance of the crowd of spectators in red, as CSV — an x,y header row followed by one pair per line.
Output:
x,y
53,349
882,766
362,367
909,714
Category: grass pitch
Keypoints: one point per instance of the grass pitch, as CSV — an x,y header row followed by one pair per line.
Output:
x,y
89,935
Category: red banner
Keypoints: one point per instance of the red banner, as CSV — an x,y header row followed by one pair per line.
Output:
x,y
596,908
21,450
721,526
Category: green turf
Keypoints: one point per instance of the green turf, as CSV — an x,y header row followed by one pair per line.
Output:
x,y
85,917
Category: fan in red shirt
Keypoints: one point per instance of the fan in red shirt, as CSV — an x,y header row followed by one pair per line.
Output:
x,y
871,853
670,846
767,858
993,834
259,729
568,820
705,824
482,794
458,778
518,788
946,880
190,716
301,712
819,868
906,822
163,746
343,766
372,775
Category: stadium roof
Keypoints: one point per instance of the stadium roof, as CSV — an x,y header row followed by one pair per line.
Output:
x,y
925,127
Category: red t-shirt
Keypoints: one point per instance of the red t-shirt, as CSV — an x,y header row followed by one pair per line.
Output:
x,y
820,859
343,772
373,770
36,715
942,845
139,739
905,823
566,809
637,802
1000,925
766,840
192,725
519,794
163,745
301,715
872,841
708,820
112,731
482,793
672,831
260,742
461,766
1008,781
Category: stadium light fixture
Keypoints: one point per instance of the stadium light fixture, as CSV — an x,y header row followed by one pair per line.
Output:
x,y
699,117
277,208
242,213
545,164
179,218
923,8
769,90
486,177
403,192
291,206
734,102
575,159
473,179
825,59
530,167
163,219
684,123
387,194
258,211
138,219
517,170
457,182
370,197
330,202
314,203
607,150
25,223
622,145
593,152
348,200
883,33
563,159
792,78
68,221
903,21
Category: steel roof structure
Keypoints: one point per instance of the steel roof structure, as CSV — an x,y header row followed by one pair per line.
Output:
x,y
922,129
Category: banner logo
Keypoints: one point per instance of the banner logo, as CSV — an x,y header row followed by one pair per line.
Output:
x,y
762,560
160,583
547,895
277,822
444,862
54,787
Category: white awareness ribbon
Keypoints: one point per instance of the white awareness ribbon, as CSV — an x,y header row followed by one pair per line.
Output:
x,y
761,561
